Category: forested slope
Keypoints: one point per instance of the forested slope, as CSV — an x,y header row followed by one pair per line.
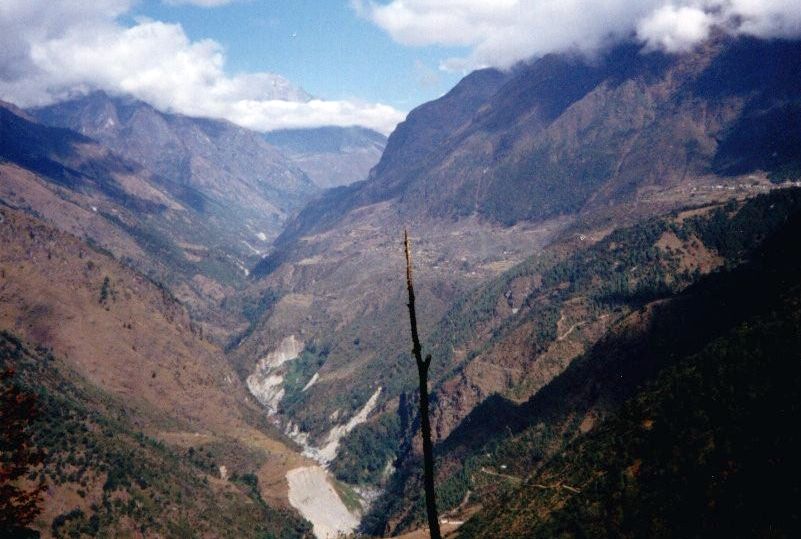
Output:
x,y
563,378
707,448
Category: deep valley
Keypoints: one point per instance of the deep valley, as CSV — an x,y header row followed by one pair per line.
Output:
x,y
212,320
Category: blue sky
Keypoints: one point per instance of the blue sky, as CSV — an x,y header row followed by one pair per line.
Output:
x,y
365,62
334,54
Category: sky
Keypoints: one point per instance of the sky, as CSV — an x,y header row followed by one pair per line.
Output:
x,y
321,45
272,64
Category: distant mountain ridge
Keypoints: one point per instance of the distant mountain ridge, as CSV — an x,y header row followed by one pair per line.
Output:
x,y
233,167
150,222
324,139
202,198
331,156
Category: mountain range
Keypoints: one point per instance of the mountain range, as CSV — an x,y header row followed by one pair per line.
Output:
x,y
560,151
190,202
563,147
606,278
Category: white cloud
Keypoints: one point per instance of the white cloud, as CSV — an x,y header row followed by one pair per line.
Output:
x,y
775,18
51,50
675,29
502,32
269,115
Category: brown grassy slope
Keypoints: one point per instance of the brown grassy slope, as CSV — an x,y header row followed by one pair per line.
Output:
x,y
134,340
148,221
27,191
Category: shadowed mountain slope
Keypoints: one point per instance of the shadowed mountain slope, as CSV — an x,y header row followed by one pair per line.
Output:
x,y
590,329
701,449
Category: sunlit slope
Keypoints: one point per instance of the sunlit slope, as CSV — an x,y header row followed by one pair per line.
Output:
x,y
129,338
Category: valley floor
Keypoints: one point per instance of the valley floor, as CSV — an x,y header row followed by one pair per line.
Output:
x,y
311,493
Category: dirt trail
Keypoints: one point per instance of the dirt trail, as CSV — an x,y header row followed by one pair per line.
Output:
x,y
505,476
446,527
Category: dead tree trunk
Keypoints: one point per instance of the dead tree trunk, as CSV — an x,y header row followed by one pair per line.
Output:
x,y
422,371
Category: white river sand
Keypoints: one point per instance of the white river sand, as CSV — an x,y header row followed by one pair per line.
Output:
x,y
311,493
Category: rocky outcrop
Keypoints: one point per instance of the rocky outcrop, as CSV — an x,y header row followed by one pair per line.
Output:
x,y
266,381
328,450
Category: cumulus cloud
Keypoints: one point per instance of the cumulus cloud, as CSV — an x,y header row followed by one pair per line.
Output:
x,y
50,51
675,29
503,32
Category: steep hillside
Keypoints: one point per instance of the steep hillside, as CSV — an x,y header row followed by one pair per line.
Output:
x,y
513,335
104,476
566,134
546,352
345,303
132,346
704,448
423,132
147,221
236,174
597,241
330,156
484,178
